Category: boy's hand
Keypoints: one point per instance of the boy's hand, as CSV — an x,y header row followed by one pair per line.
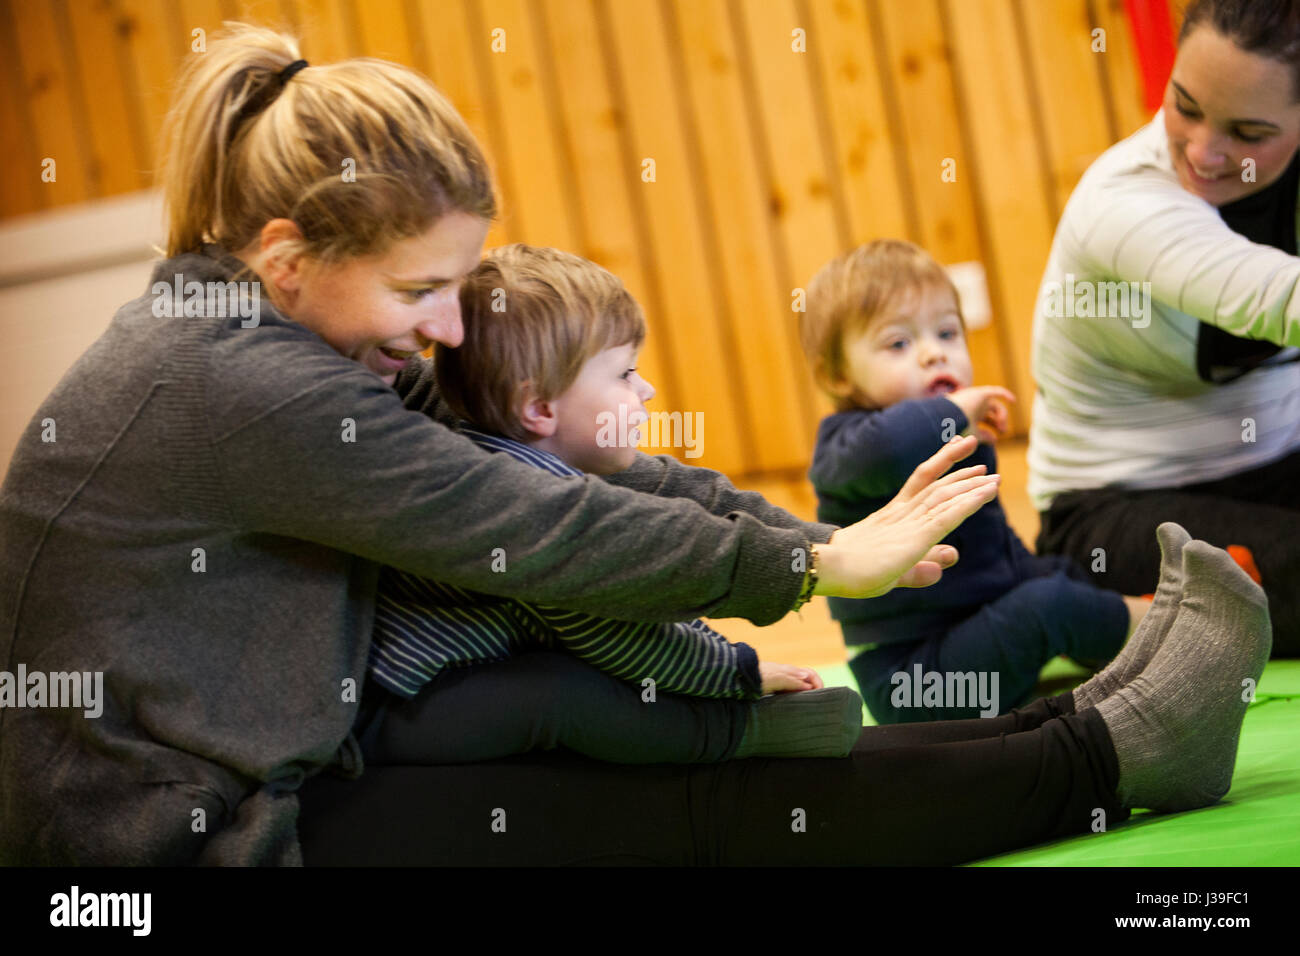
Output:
x,y
988,418
786,677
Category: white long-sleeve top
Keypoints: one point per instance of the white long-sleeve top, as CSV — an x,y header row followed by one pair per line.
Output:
x,y
1122,405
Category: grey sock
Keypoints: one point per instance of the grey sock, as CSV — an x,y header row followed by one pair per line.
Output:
x,y
1176,726
808,723
1142,646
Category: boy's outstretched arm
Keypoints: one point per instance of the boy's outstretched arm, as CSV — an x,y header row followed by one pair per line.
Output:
x,y
666,477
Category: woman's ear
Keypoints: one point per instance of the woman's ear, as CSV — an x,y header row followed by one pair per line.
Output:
x,y
283,269
537,416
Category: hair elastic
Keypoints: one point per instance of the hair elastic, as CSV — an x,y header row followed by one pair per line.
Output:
x,y
288,72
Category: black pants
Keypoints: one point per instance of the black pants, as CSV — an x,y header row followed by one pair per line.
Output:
x,y
1259,509
541,700
936,793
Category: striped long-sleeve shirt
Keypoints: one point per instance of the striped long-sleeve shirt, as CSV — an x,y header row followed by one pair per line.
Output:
x,y
423,626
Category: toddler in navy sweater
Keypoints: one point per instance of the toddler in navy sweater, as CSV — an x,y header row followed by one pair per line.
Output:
x,y
884,333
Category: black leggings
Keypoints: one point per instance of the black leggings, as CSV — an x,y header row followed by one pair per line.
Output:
x,y
937,793
540,700
1259,509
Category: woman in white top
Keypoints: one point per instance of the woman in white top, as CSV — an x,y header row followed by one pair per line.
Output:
x,y
1167,325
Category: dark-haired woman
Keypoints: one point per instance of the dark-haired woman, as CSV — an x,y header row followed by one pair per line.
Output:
x,y
1165,341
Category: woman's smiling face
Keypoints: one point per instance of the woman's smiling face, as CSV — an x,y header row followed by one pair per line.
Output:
x,y
381,310
1224,106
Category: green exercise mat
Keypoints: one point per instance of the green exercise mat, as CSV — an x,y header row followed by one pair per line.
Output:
x,y
1256,824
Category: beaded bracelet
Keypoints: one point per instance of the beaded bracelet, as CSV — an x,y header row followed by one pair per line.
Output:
x,y
809,581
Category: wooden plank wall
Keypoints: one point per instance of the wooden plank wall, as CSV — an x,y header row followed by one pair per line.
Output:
x,y
782,133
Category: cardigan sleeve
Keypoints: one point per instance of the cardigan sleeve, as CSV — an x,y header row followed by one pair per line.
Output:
x,y
665,476
1139,225
310,445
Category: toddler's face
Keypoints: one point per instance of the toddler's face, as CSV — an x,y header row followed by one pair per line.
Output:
x,y
595,417
914,349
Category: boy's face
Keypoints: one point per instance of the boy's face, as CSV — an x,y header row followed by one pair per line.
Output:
x,y
585,429
914,349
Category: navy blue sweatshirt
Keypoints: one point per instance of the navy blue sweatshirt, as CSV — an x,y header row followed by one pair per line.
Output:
x,y
861,461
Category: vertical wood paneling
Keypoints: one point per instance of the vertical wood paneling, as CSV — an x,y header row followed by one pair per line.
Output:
x,y
456,45
537,174
655,130
386,32
276,14
1066,82
1004,159
207,15
756,303
46,82
22,192
919,60
612,234
117,161
1120,72
769,161
864,152
793,150
327,29
152,44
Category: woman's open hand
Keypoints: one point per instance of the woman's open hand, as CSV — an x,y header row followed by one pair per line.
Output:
x,y
896,546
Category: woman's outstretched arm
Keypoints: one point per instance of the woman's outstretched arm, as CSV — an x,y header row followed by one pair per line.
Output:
x,y
1137,224
667,477
323,451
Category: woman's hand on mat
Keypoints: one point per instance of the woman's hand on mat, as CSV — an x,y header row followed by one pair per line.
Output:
x,y
981,404
787,677
898,546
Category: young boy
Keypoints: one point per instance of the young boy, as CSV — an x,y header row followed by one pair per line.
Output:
x,y
550,350
885,335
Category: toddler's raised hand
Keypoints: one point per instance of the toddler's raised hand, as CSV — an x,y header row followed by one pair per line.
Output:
x,y
987,416
786,677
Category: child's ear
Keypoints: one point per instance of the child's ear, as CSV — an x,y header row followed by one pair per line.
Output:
x,y
835,384
536,415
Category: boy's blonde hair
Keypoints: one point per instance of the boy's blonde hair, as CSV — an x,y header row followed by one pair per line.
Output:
x,y
852,289
359,154
533,316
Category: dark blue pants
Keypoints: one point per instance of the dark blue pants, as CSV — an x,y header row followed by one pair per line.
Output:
x,y
1009,639
543,700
